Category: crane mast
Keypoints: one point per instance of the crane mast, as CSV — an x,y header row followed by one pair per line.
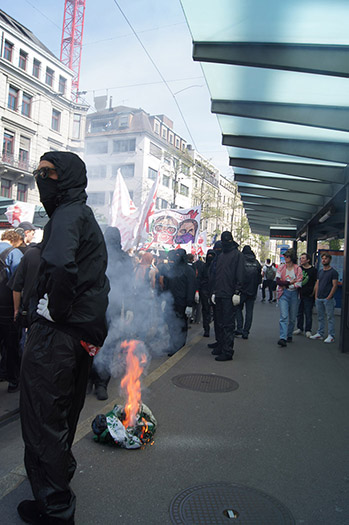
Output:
x,y
71,45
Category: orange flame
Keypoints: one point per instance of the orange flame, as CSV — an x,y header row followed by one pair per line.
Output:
x,y
131,382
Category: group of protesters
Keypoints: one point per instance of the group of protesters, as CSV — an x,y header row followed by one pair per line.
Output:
x,y
76,295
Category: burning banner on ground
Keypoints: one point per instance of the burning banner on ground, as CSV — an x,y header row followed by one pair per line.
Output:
x,y
133,425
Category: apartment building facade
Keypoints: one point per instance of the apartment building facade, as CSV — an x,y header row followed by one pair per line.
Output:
x,y
37,113
141,145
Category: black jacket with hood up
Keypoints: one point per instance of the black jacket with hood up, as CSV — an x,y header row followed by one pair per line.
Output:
x,y
180,279
74,257
229,275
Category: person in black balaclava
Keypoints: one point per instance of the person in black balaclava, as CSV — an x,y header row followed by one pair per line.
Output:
x,y
253,278
180,281
205,292
68,326
226,294
217,248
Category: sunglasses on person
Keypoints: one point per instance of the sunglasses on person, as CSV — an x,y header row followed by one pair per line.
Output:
x,y
43,172
169,229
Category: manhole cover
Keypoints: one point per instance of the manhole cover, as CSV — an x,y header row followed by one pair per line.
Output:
x,y
221,503
205,383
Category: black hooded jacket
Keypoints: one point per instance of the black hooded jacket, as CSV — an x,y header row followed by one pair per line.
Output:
x,y
73,257
253,275
180,279
229,274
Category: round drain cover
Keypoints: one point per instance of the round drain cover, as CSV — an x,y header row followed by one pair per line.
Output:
x,y
209,383
221,503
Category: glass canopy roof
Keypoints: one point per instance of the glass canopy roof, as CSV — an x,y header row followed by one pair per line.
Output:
x,y
278,75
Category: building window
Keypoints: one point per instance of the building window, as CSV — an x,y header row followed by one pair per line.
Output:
x,y
97,172
184,190
170,137
23,58
157,126
96,147
6,188
123,121
23,155
8,146
36,68
155,150
49,76
8,49
164,133
26,104
13,98
185,169
127,170
177,142
121,146
56,120
152,174
166,181
96,198
22,192
76,126
62,84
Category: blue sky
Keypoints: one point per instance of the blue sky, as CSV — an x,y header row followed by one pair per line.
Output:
x,y
114,62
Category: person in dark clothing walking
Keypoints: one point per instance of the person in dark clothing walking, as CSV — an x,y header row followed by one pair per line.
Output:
x,y
205,292
253,278
120,275
226,294
180,281
68,327
217,248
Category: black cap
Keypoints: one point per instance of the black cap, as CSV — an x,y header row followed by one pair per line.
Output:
x,y
26,225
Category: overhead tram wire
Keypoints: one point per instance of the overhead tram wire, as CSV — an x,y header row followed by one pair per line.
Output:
x,y
158,70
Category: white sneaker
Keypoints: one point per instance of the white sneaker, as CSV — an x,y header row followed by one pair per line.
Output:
x,y
308,334
298,331
329,339
316,336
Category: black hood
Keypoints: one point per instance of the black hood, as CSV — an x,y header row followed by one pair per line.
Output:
x,y
177,256
112,237
247,250
228,242
71,171
218,247
210,255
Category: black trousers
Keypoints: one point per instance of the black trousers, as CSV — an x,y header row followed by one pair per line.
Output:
x,y
177,323
54,375
225,314
267,283
206,311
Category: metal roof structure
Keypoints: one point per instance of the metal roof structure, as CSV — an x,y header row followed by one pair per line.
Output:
x,y
278,75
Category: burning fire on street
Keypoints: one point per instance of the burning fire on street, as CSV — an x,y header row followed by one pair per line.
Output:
x,y
132,425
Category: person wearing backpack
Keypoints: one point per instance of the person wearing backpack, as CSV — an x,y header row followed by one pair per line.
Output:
x,y
269,273
10,257
252,279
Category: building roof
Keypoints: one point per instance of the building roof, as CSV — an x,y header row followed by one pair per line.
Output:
x,y
278,74
23,31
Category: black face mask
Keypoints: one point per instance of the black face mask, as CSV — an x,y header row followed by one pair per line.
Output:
x,y
48,191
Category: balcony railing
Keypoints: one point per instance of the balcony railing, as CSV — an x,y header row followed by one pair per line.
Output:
x,y
17,163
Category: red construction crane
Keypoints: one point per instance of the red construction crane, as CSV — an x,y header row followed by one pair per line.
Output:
x,y
71,46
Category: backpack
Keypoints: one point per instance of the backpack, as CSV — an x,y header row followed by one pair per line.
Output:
x,y
270,273
4,266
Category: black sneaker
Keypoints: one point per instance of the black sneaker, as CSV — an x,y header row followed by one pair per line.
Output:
x,y
101,393
224,357
216,351
289,339
206,334
244,336
282,342
213,345
12,388
30,513
237,334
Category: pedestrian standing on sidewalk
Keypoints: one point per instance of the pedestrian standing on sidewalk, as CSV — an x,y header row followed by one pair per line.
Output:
x,y
269,272
325,288
306,303
66,331
205,293
228,283
289,280
252,280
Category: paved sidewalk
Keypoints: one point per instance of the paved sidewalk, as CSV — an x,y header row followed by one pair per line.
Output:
x,y
284,431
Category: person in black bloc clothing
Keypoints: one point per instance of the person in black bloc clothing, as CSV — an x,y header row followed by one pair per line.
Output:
x,y
253,278
67,328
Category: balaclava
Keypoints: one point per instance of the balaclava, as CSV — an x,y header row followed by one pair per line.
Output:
x,y
227,241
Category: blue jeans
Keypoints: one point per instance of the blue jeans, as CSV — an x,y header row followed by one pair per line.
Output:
x,y
288,305
325,306
305,309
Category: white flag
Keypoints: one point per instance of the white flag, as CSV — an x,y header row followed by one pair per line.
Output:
x,y
20,212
